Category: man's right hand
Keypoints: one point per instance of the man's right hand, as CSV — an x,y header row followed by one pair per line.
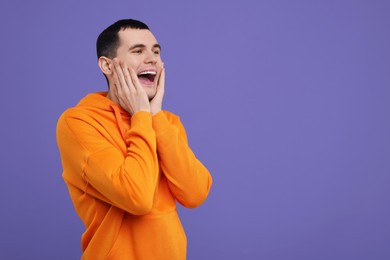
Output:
x,y
127,90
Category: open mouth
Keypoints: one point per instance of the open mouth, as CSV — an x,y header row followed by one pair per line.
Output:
x,y
147,77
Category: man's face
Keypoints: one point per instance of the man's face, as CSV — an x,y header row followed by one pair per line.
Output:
x,y
139,50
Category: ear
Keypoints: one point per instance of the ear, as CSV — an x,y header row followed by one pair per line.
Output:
x,y
104,65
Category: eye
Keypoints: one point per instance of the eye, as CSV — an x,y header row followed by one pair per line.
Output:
x,y
137,51
157,52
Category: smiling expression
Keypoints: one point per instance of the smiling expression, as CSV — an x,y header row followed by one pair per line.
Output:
x,y
140,50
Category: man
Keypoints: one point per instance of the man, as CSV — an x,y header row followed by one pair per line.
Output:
x,y
125,161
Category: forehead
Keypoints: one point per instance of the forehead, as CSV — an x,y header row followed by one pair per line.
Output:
x,y
129,37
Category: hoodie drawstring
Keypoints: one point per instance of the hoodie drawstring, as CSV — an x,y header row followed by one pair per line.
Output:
x,y
119,120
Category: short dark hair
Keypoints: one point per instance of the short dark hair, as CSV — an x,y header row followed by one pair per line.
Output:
x,y
108,41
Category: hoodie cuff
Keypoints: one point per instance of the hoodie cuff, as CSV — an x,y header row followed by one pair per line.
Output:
x,y
160,123
141,119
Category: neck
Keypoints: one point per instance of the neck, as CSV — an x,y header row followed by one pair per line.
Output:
x,y
112,97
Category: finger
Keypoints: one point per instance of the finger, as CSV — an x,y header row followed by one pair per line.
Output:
x,y
128,79
117,85
161,83
121,78
115,78
161,80
112,85
135,80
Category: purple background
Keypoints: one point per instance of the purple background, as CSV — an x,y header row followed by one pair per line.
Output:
x,y
286,102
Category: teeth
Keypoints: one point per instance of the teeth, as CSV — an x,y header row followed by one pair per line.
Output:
x,y
147,72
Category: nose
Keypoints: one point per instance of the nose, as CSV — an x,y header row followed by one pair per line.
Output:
x,y
151,57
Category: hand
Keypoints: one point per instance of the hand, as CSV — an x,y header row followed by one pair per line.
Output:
x,y
127,90
156,102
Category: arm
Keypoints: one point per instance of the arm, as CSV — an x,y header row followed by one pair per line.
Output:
x,y
126,179
188,178
99,168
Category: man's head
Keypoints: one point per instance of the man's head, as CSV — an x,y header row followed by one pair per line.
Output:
x,y
132,43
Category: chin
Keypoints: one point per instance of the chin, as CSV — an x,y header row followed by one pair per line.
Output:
x,y
151,94
150,90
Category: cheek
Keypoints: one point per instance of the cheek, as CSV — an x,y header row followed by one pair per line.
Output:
x,y
132,61
134,65
159,63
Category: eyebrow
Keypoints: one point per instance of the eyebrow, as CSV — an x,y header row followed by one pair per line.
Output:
x,y
144,46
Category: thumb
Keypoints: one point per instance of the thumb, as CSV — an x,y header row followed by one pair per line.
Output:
x,y
161,81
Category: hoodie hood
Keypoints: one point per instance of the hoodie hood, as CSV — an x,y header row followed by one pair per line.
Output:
x,y
98,101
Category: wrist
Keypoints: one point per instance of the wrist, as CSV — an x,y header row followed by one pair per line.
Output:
x,y
155,111
144,110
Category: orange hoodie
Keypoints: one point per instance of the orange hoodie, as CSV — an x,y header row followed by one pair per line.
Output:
x,y
124,174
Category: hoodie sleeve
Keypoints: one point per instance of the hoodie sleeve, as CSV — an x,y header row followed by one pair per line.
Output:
x,y
188,178
96,166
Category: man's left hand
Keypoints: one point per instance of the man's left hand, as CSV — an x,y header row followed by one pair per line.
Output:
x,y
156,102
